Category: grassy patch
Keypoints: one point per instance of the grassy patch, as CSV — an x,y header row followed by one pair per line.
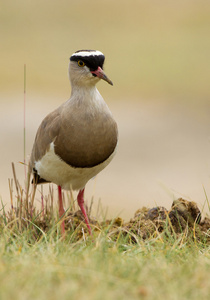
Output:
x,y
158,254
102,268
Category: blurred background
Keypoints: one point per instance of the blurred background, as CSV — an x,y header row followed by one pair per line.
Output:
x,y
157,55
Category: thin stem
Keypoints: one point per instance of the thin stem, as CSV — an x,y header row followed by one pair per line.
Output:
x,y
24,121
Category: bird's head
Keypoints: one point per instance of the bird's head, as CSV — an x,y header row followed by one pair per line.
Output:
x,y
86,68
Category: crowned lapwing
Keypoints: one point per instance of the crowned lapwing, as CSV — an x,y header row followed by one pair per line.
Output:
x,y
78,139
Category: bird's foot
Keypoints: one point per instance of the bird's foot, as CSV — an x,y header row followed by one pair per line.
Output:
x,y
80,200
61,211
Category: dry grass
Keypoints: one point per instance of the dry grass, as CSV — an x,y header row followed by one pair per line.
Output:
x,y
157,254
40,221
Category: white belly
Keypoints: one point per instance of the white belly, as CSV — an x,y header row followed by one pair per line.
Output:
x,y
52,168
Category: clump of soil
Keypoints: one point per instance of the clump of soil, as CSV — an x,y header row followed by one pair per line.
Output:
x,y
183,217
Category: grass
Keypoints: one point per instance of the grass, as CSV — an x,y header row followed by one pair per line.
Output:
x,y
102,269
120,261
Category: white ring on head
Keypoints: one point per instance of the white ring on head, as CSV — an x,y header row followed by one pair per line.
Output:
x,y
88,53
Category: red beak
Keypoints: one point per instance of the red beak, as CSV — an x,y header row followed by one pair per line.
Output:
x,y
100,74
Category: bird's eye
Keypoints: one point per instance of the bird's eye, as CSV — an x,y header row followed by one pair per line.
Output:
x,y
81,63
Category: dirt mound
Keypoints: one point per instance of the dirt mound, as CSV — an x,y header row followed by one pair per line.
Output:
x,y
183,217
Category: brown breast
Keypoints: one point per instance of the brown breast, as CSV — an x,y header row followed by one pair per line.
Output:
x,y
86,141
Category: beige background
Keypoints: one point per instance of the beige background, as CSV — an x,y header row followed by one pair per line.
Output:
x,y
157,54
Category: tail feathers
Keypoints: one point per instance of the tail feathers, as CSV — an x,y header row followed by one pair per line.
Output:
x,y
37,179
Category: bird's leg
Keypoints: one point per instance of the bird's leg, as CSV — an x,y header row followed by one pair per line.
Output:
x,y
80,200
61,210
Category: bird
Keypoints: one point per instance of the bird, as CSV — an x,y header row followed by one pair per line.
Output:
x,y
79,139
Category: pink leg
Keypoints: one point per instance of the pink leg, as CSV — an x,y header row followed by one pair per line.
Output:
x,y
61,210
80,200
